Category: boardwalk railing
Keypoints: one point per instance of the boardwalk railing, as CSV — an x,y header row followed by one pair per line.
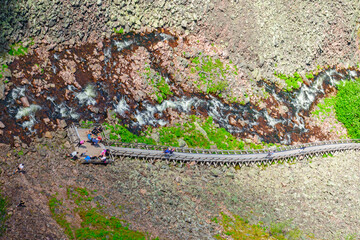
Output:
x,y
222,157
217,151
234,159
73,133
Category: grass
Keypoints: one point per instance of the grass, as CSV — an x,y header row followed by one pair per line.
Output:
x,y
212,74
86,124
18,49
196,133
120,31
158,83
292,82
3,214
95,224
2,69
235,227
326,108
347,106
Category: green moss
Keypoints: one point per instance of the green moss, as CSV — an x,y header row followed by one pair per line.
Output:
x,y
18,49
347,107
325,108
292,82
158,83
236,227
212,74
3,214
120,31
94,223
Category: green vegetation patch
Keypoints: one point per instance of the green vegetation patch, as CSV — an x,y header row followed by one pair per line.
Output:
x,y
120,31
95,224
18,49
236,227
160,86
3,214
292,82
121,133
347,106
325,108
2,69
195,133
212,74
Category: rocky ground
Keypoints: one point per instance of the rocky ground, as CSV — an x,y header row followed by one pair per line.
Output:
x,y
178,202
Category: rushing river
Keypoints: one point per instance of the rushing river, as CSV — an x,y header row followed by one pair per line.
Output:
x,y
94,98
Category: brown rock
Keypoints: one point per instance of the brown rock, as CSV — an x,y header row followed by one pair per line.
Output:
x,y
25,101
1,132
232,120
46,120
2,125
142,191
48,135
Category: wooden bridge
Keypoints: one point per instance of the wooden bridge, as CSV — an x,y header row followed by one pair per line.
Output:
x,y
225,157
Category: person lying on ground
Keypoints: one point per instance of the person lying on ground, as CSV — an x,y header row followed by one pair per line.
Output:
x,y
88,158
20,168
73,155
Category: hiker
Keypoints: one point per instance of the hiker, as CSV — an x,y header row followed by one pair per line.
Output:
x,y
269,155
94,141
20,168
167,152
97,130
80,143
21,204
172,151
104,152
301,149
89,135
88,158
107,153
73,155
103,159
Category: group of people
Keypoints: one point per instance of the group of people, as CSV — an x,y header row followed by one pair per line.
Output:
x,y
102,157
94,139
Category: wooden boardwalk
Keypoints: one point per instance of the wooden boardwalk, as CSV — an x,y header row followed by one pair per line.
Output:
x,y
76,134
219,157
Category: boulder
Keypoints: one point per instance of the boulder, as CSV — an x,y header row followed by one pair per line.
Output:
x,y
2,125
48,135
25,101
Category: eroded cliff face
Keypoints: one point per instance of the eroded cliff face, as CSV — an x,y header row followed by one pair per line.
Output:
x,y
260,36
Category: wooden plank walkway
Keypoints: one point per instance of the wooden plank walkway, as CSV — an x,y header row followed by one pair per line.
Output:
x,y
217,157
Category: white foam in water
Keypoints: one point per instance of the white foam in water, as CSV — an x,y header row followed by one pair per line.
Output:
x,y
30,112
18,92
87,96
166,36
107,53
27,111
123,44
121,107
53,67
